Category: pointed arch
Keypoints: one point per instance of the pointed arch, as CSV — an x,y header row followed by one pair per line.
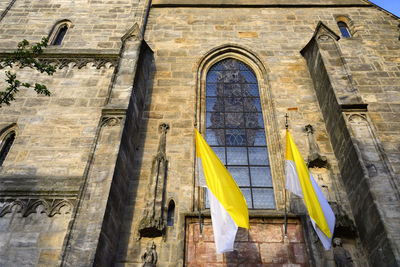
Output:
x,y
58,32
255,64
7,138
171,213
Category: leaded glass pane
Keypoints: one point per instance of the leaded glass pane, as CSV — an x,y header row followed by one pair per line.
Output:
x,y
237,155
247,195
256,137
263,198
250,90
215,137
261,176
243,66
249,76
212,76
220,152
234,104
250,105
215,120
253,120
241,175
211,90
258,156
235,129
234,120
231,90
210,105
235,137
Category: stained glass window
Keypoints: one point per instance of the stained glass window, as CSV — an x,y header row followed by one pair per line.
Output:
x,y
235,130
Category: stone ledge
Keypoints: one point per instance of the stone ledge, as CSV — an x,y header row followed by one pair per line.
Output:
x,y
252,214
258,3
40,185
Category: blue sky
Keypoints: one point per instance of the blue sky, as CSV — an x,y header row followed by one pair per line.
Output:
x,y
392,6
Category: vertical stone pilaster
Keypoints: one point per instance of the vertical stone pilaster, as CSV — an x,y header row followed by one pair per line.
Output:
x,y
86,243
81,242
367,175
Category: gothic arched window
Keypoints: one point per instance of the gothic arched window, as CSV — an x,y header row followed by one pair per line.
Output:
x,y
344,29
59,31
6,145
235,130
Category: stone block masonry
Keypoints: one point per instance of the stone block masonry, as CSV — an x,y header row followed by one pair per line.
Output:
x,y
263,245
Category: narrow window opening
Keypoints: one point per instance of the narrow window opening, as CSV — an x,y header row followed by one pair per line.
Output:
x,y
344,29
8,141
171,213
60,35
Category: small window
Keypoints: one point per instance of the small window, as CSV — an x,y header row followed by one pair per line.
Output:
x,y
6,145
59,31
171,213
344,29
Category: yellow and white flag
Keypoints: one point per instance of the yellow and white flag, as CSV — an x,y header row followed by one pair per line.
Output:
x,y
301,183
227,204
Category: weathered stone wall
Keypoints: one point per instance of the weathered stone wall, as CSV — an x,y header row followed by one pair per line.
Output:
x,y
181,37
55,133
52,155
95,24
35,240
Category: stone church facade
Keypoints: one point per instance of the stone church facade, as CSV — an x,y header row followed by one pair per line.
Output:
x,y
103,172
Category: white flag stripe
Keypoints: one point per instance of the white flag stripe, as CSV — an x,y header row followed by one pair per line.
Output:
x,y
292,182
224,227
328,213
201,177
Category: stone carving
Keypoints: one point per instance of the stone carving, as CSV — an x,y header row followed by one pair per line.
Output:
x,y
150,255
341,256
314,158
81,62
28,206
152,223
111,121
324,37
133,32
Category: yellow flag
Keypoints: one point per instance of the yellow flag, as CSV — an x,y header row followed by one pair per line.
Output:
x,y
300,181
221,183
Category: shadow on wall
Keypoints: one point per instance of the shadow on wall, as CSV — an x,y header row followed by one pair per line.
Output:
x,y
116,229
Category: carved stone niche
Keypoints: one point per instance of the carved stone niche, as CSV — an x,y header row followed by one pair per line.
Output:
x,y
153,224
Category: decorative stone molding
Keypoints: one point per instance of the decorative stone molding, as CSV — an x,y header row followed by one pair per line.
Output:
x,y
152,223
112,116
27,206
133,32
111,121
74,60
80,62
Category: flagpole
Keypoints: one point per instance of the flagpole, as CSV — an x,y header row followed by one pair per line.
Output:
x,y
285,218
198,193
